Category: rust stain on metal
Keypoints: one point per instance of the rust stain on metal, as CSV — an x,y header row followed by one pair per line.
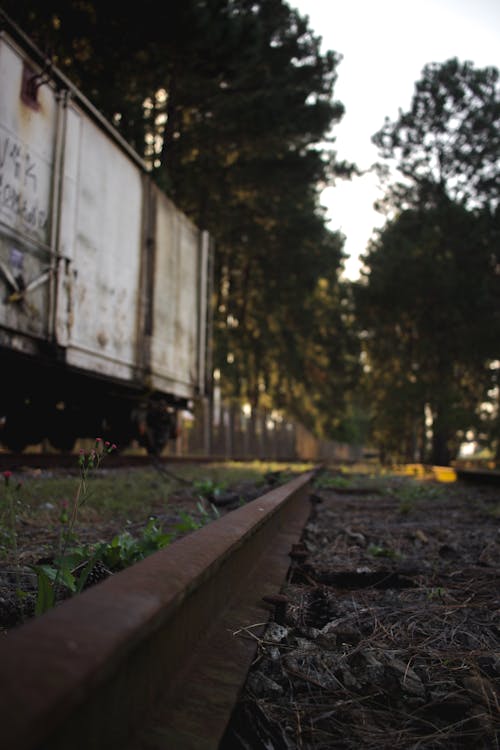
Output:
x,y
31,82
149,659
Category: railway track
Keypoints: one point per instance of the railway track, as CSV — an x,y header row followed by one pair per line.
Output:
x,y
150,658
20,461
479,476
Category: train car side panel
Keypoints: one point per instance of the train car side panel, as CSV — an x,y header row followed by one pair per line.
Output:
x,y
174,343
27,147
27,155
105,258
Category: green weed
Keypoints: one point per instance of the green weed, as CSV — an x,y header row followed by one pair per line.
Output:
x,y
61,572
436,593
325,482
410,494
378,551
9,508
494,511
209,488
125,550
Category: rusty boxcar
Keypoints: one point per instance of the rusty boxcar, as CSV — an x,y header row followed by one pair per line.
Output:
x,y
103,281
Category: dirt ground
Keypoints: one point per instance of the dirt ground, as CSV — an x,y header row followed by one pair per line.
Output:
x,y
390,636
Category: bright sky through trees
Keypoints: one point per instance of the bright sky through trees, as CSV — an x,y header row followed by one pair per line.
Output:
x,y
385,46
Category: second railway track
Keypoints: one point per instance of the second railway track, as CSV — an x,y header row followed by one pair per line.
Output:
x,y
149,658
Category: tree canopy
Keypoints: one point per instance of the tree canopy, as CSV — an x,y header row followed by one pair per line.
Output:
x,y
449,140
429,304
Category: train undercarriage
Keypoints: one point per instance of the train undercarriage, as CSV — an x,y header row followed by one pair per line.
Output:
x,y
46,403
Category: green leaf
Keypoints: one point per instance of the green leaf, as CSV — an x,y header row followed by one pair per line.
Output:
x,y
45,592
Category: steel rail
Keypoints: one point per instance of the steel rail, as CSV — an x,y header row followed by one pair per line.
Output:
x,y
479,476
154,657
22,461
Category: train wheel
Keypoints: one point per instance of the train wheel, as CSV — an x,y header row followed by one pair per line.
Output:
x,y
155,448
21,426
63,442
63,430
154,425
160,426
14,443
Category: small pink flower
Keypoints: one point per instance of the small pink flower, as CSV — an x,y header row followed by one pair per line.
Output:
x,y
7,474
98,440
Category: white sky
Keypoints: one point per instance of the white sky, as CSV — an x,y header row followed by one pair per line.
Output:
x,y
385,45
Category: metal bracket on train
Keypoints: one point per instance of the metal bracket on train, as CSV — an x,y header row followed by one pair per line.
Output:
x,y
17,284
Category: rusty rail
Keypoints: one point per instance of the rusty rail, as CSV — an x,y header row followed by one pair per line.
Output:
x,y
479,476
21,461
151,658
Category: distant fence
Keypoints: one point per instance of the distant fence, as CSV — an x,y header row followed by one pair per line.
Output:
x,y
230,432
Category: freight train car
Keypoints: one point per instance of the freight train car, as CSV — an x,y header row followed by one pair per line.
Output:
x,y
103,281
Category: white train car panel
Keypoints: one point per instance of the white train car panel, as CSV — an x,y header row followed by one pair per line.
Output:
x,y
27,157
178,261
102,237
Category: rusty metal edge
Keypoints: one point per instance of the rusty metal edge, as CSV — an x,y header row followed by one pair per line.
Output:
x,y
23,461
486,476
122,664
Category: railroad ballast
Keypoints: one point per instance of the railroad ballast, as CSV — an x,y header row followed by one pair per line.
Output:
x,y
103,280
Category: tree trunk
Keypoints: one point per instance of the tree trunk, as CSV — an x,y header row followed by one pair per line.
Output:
x,y
441,440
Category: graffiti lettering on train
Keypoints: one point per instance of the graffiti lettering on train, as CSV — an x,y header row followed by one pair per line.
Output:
x,y
22,165
20,178
13,202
